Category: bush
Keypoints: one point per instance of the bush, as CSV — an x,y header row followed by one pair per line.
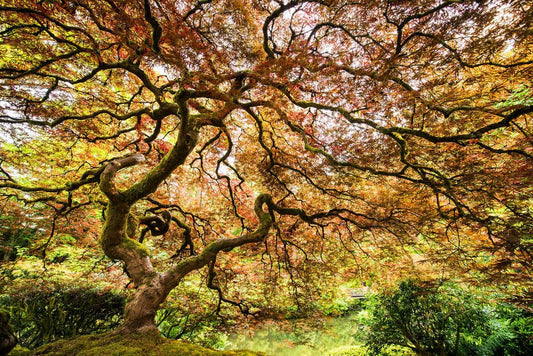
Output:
x,y
44,314
515,336
430,321
447,320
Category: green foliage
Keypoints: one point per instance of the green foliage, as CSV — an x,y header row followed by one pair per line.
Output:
x,y
447,321
357,350
341,306
430,321
189,314
514,328
202,329
521,96
361,350
395,350
45,313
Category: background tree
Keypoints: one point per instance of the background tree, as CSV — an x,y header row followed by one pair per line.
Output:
x,y
395,130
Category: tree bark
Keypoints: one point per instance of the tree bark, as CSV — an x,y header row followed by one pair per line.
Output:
x,y
141,309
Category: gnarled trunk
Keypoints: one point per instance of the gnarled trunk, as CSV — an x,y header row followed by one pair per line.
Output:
x,y
153,287
141,308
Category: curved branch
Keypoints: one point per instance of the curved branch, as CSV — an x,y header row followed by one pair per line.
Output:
x,y
88,177
172,277
186,141
107,178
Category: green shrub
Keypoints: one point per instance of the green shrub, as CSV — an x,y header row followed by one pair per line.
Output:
x,y
446,320
514,328
42,314
440,321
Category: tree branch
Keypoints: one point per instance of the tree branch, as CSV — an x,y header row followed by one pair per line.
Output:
x,y
172,277
107,178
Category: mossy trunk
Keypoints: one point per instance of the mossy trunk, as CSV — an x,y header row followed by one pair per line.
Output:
x,y
141,308
118,240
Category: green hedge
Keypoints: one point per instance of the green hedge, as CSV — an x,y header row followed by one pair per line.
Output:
x,y
40,315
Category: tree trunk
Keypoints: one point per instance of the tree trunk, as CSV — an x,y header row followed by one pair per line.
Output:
x,y
141,308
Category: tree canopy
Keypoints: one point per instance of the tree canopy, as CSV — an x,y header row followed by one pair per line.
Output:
x,y
281,136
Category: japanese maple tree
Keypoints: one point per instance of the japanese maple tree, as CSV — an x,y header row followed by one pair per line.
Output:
x,y
398,130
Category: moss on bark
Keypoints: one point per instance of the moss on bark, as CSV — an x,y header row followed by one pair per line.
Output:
x,y
136,245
